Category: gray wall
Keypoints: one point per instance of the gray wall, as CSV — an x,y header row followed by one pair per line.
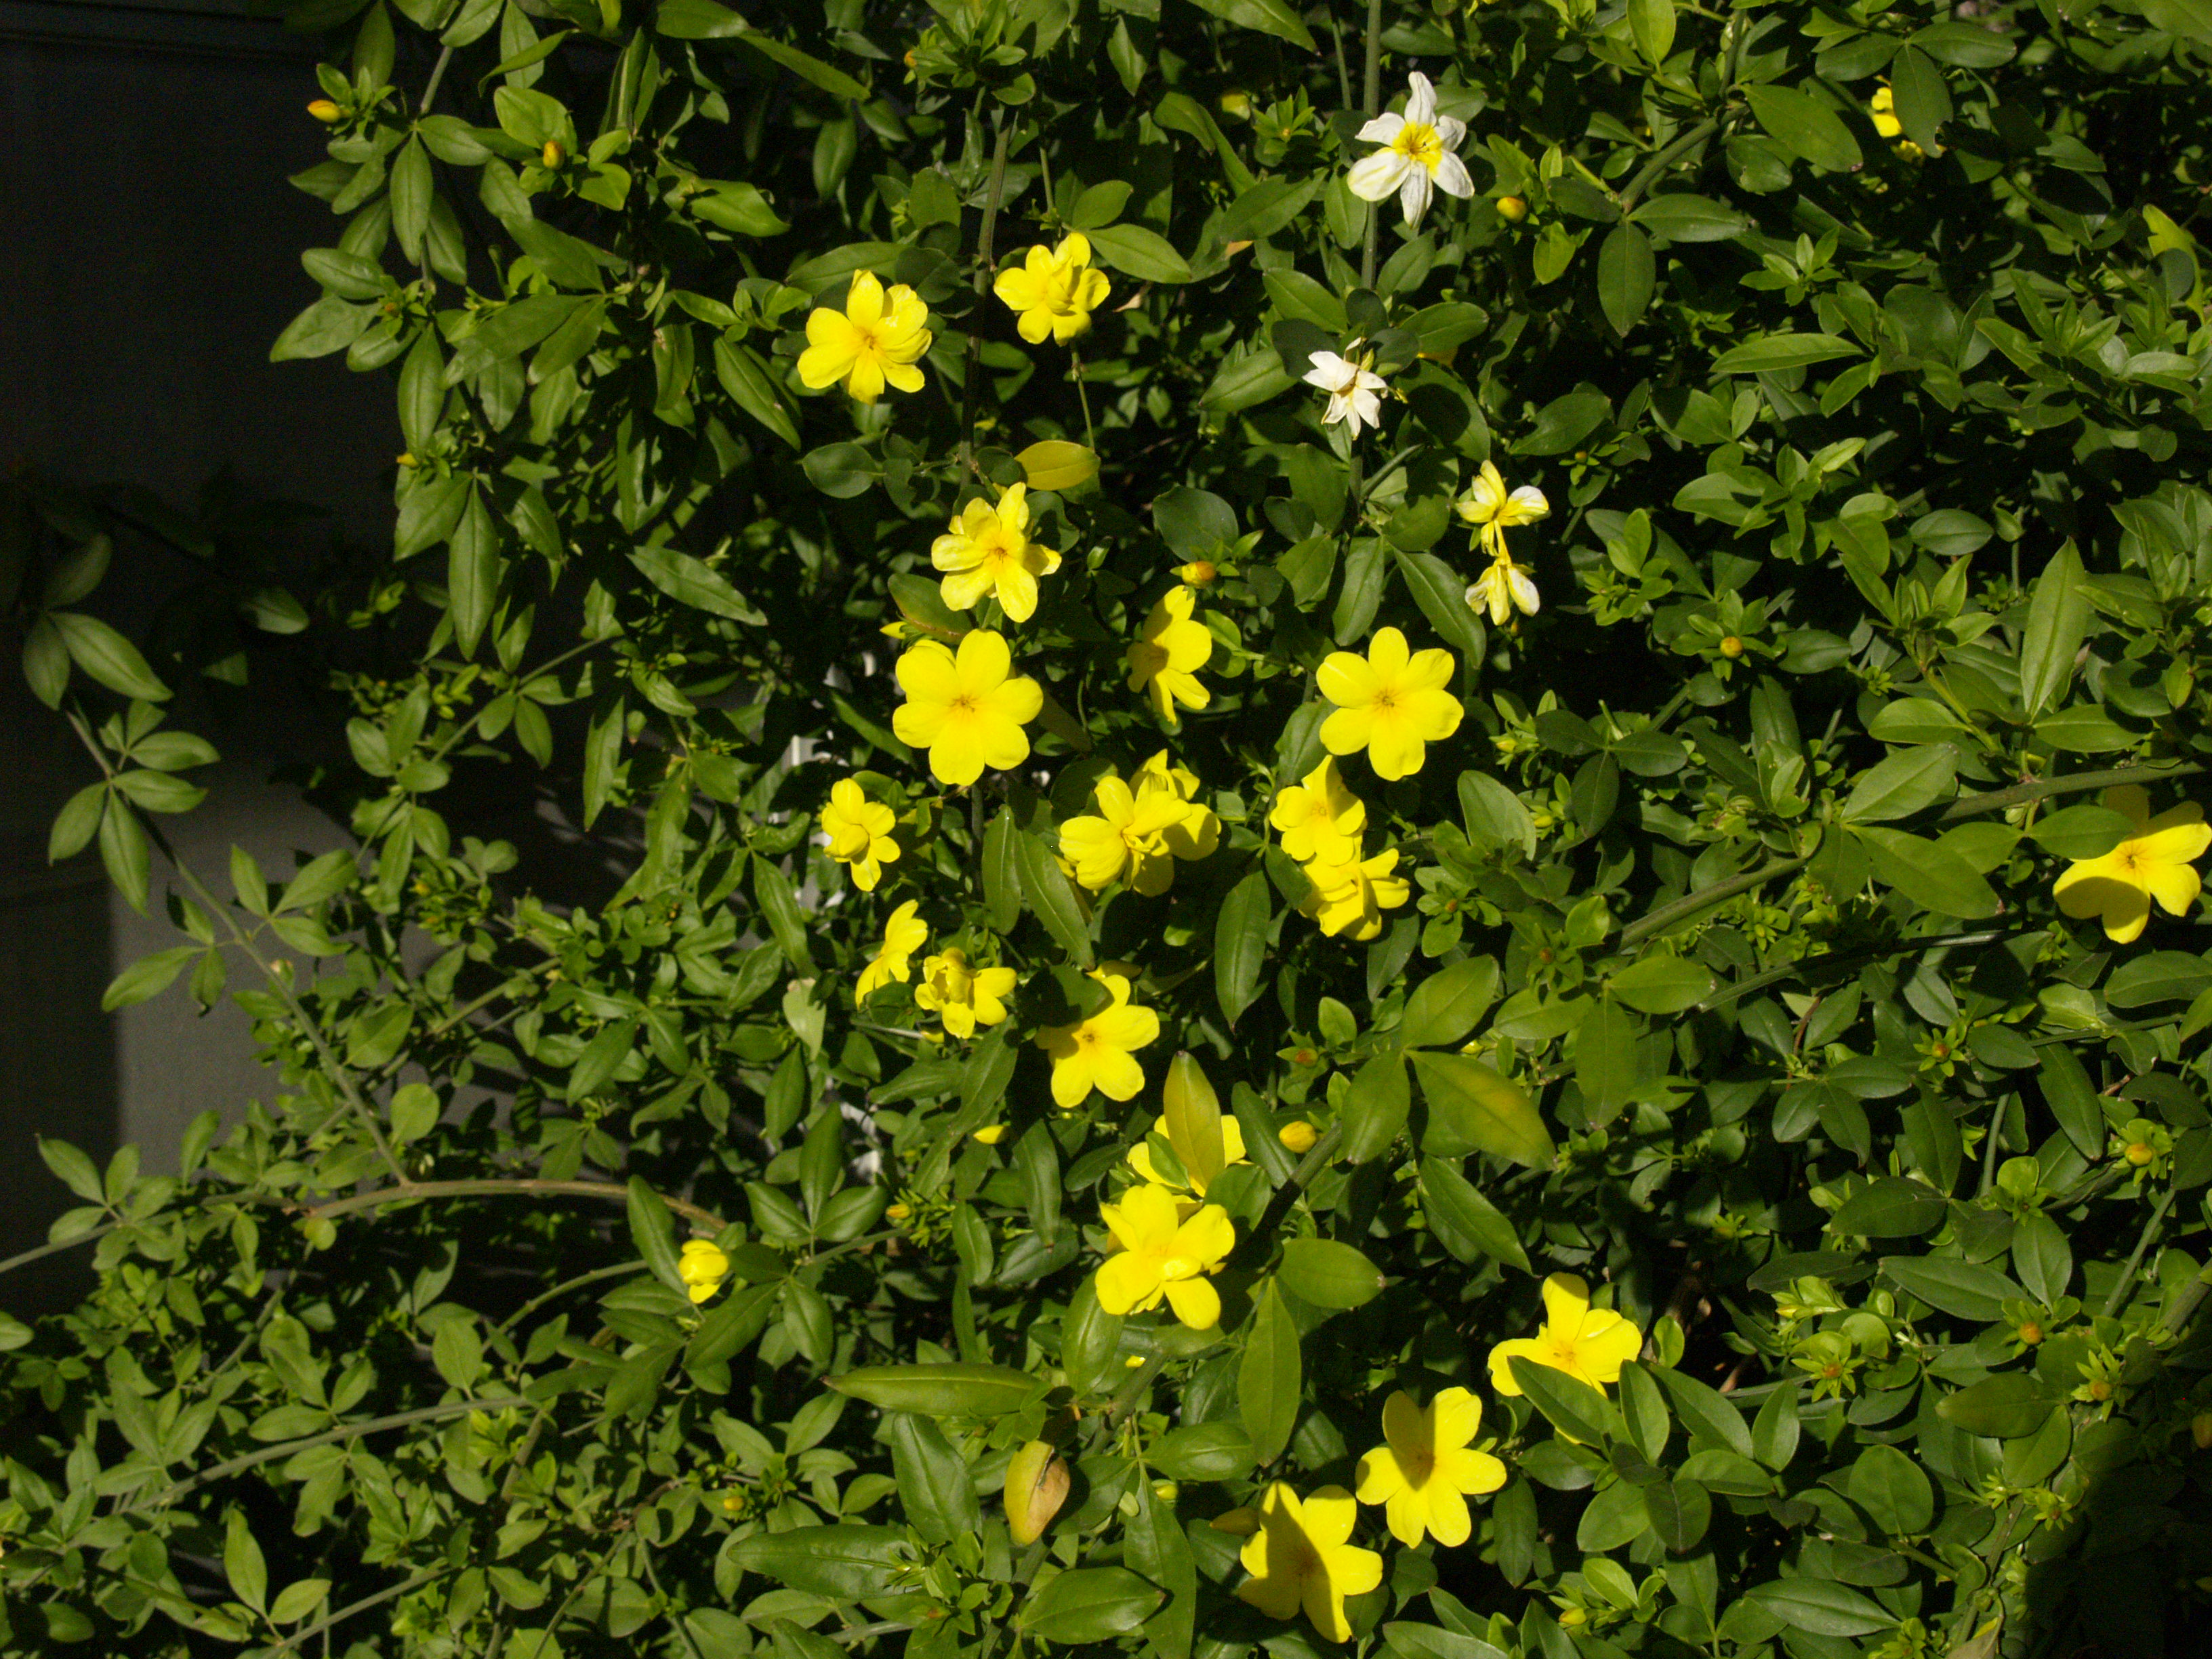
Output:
x,y
148,254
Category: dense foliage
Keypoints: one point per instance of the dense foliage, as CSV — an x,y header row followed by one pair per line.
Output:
x,y
1472,936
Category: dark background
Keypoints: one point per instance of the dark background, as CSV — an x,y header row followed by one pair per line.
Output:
x,y
148,255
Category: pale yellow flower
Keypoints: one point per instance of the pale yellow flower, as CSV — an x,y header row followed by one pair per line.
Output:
x,y
962,995
1303,1559
860,831
1490,509
904,933
2156,862
1166,660
877,339
1425,1474
1163,1255
1100,1052
1390,702
1502,589
1589,1344
1054,290
1417,155
987,550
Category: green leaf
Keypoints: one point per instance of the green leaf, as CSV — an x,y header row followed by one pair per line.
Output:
x,y
746,378
1892,1491
934,1484
1780,351
1142,253
939,1390
1473,1109
1442,596
297,1600
1964,1289
1375,1109
1627,275
1606,1067
1680,1512
1902,784
1204,1451
2073,1100
1661,984
1929,875
1651,22
1089,1604
1275,17
2007,1407
1443,1008
842,1563
1052,900
1270,1377
106,656
1465,1222
690,581
650,1230
1569,1404
1002,878
778,907
1240,943
147,978
2058,615
473,569
1156,1545
1806,125
2083,830
72,1167
1890,1208
242,1563
1329,1275
1822,1607
1493,815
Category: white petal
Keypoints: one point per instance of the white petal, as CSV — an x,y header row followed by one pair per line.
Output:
x,y
1329,371
1383,128
1413,197
1368,380
1421,99
1338,409
1530,500
1449,131
1375,178
1452,177
1523,589
1365,406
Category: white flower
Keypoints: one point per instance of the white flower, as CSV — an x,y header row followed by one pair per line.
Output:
x,y
1492,512
1502,589
1352,389
1418,155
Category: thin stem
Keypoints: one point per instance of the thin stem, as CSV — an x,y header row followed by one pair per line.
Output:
x,y
985,244
1666,158
408,1191
1996,1133
45,1250
617,1271
1657,922
1370,98
437,77
1807,966
1315,1160
2035,789
1083,395
2126,1283
291,1643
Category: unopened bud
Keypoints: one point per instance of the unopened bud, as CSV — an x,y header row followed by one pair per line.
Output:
x,y
899,1212
1512,209
553,155
2031,1334
325,111
1199,573
2139,1152
991,1136
1731,647
1298,1136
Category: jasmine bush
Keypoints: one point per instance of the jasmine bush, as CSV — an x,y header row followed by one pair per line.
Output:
x,y
1402,856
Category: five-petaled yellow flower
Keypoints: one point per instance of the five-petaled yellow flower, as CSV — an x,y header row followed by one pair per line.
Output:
x,y
987,550
1303,1558
1140,1156
2156,862
1349,894
904,933
860,831
1140,833
877,339
1100,1052
703,1268
967,709
1425,1474
1054,289
1388,702
962,995
1589,1344
1166,660
1162,1255
1320,818
1490,509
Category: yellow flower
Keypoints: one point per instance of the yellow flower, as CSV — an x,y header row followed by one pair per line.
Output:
x,y
1349,894
1054,290
860,831
1503,588
904,933
878,337
1169,656
1589,1344
703,1268
2153,862
1882,106
1491,511
967,710
1161,1254
1140,1156
962,995
1319,817
990,1135
987,550
1100,1052
1303,1557
1424,1477
1139,834
1390,703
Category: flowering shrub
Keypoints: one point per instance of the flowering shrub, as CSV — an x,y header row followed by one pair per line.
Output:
x,y
1398,844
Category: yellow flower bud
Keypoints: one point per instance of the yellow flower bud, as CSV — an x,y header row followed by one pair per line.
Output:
x,y
1133,1362
1298,1136
553,155
2200,1430
2139,1152
325,111
2031,1334
899,1212
1199,573
991,1136
1731,647
1512,209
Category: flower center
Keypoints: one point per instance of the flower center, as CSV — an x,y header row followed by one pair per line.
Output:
x,y
1418,142
1386,701
965,704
